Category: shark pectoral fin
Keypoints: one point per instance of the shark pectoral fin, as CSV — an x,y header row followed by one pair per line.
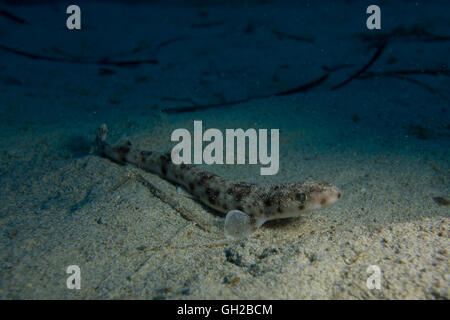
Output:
x,y
239,225
182,192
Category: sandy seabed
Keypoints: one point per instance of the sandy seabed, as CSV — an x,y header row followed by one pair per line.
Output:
x,y
383,141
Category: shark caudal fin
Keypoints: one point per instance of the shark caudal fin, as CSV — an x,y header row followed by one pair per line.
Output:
x,y
119,152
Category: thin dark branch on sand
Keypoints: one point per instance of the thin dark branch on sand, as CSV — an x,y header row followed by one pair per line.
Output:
x,y
284,35
207,106
403,75
431,72
416,32
103,61
165,43
206,24
394,73
305,87
417,82
375,57
8,15
302,88
361,74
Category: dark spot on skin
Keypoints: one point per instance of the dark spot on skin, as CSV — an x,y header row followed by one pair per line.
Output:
x,y
204,177
165,161
242,185
323,201
301,207
252,220
239,190
212,195
339,195
163,168
441,201
123,149
268,202
122,152
316,188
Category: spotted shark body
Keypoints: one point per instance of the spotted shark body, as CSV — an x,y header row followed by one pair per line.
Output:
x,y
247,205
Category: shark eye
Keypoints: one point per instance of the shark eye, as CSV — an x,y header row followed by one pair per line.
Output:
x,y
300,197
